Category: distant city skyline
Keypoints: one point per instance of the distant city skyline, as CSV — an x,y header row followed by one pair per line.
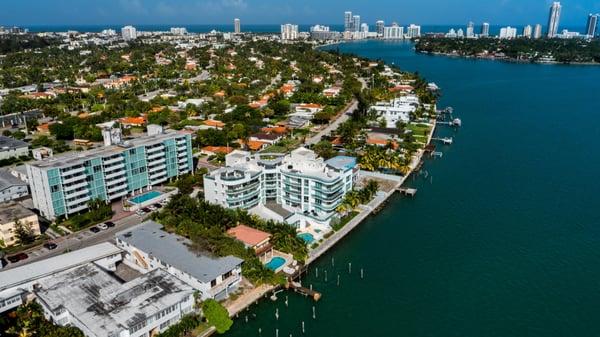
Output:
x,y
253,12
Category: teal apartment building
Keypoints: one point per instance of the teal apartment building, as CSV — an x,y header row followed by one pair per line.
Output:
x,y
64,185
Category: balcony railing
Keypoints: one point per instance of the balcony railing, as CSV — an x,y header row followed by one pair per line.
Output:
x,y
73,179
78,201
114,175
75,186
118,159
72,170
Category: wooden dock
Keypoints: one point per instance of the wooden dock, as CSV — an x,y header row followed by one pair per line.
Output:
x,y
297,287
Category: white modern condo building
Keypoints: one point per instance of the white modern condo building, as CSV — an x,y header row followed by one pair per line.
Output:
x,y
64,185
299,188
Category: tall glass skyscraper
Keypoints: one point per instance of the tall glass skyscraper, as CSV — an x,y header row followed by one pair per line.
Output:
x,y
592,23
553,19
348,23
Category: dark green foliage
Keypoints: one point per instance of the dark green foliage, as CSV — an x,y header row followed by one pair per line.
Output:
x,y
28,320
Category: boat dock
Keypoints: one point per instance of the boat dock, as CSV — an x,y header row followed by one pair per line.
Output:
x,y
407,191
297,287
445,140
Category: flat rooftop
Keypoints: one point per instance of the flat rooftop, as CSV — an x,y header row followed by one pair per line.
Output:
x,y
175,251
30,272
12,211
103,304
8,180
73,158
343,163
8,143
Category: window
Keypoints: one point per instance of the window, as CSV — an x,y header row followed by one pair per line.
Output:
x,y
213,283
132,151
54,188
97,168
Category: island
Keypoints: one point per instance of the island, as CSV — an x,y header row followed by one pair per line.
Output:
x,y
565,51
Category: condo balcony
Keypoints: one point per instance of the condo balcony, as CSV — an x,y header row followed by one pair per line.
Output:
x,y
112,160
76,193
157,168
70,180
116,188
156,161
77,201
114,175
155,155
182,148
72,187
72,170
155,148
116,195
158,175
111,168
113,182
181,141
77,208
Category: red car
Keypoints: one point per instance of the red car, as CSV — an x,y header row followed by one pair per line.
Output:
x,y
18,257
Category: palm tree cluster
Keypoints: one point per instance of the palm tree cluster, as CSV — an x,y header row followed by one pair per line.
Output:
x,y
358,196
376,158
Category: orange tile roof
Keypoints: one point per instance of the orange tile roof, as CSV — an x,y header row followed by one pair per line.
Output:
x,y
248,235
275,129
311,105
215,123
255,145
377,141
218,149
133,120
402,88
220,93
287,88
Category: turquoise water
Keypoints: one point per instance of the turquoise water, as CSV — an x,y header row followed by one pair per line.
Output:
x,y
275,263
307,237
144,197
504,240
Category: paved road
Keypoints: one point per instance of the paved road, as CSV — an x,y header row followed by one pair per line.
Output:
x,y
77,240
334,125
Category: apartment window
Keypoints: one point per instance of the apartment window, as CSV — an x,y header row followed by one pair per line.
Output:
x,y
97,168
213,283
54,188
305,199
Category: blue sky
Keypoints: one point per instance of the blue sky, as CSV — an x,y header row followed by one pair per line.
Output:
x,y
99,12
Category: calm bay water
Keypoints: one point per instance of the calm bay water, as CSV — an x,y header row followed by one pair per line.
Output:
x,y
504,240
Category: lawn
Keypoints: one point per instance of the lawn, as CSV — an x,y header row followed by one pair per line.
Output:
x,y
344,221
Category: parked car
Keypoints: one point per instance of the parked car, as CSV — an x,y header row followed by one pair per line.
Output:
x,y
110,224
94,229
152,208
157,205
103,226
17,257
140,212
146,210
50,245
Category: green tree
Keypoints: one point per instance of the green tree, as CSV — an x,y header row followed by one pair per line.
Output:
x,y
217,315
24,232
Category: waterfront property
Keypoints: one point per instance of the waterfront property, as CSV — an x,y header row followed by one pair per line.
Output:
x,y
253,238
12,215
147,247
92,300
64,185
298,188
397,110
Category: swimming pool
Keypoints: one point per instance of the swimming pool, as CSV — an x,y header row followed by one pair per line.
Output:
x,y
307,237
144,197
275,263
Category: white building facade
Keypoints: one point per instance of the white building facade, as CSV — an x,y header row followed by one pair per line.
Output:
x,y
396,110
298,188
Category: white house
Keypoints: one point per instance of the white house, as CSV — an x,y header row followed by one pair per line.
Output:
x,y
147,247
398,109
